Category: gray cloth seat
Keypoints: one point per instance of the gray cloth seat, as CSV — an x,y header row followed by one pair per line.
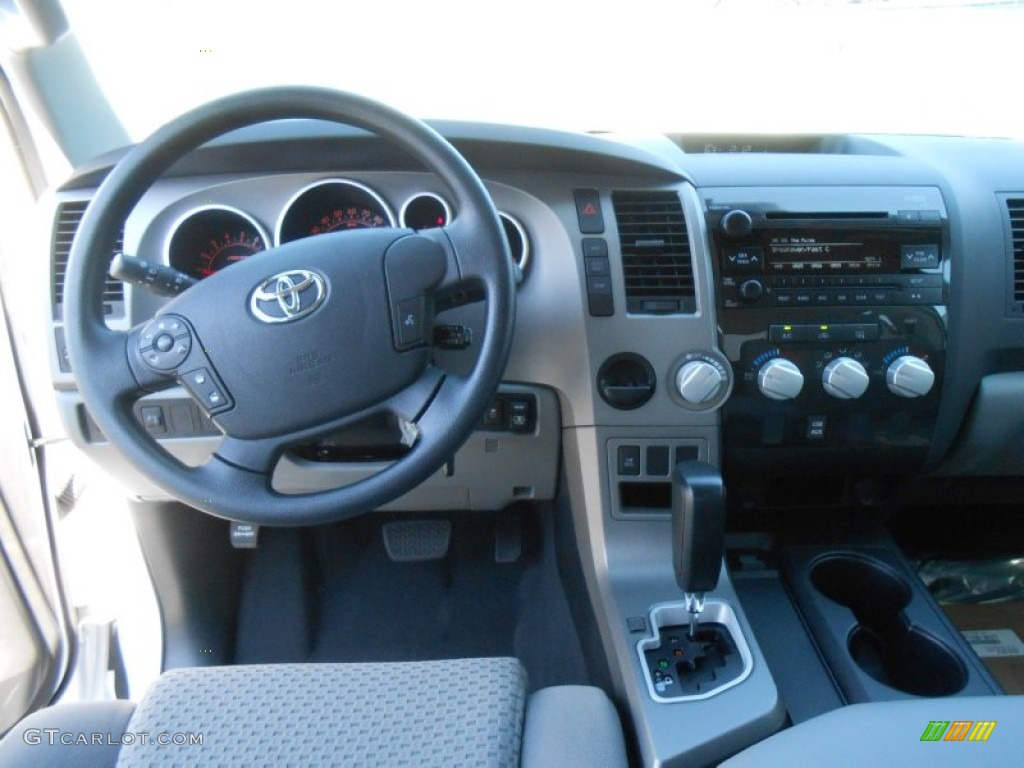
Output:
x,y
468,712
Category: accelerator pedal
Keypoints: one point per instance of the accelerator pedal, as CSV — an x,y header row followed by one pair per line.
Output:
x,y
413,541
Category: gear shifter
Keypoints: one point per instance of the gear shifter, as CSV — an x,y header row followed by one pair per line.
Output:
x,y
698,532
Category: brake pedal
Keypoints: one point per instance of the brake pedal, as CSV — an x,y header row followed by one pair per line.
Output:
x,y
413,541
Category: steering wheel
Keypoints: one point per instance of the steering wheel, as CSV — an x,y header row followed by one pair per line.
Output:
x,y
298,341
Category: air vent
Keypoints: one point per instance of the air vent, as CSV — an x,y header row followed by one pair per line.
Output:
x,y
1015,207
656,264
69,216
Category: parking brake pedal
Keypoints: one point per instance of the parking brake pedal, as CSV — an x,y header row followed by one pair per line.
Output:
x,y
412,541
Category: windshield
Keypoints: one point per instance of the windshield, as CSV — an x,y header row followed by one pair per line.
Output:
x,y
700,66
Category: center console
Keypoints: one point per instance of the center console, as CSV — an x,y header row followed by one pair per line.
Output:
x,y
832,312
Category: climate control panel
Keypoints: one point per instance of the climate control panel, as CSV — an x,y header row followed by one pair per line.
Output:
x,y
830,395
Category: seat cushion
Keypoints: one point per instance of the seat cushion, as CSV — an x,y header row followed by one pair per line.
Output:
x,y
432,713
572,726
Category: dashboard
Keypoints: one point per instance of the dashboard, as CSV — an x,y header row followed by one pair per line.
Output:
x,y
850,306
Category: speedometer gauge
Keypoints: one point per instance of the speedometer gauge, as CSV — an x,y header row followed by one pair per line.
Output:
x,y
205,240
332,205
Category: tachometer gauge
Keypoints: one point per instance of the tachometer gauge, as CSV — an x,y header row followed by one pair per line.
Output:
x,y
331,206
208,239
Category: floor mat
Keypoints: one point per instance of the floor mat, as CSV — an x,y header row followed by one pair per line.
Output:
x,y
333,594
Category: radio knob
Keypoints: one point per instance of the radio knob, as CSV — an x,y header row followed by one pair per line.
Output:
x,y
698,381
736,224
845,378
750,291
780,379
910,376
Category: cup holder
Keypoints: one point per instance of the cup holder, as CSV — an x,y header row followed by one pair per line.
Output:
x,y
884,644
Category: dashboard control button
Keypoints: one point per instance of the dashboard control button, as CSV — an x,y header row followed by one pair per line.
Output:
x,y
595,247
588,211
687,453
909,376
629,459
699,381
599,284
597,265
863,332
520,414
803,298
784,299
920,281
842,297
919,256
153,419
845,378
783,333
736,224
494,416
601,304
908,215
922,296
657,460
743,259
816,427
751,291
821,298
779,379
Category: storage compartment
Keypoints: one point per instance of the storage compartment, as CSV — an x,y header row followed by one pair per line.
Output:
x,y
884,643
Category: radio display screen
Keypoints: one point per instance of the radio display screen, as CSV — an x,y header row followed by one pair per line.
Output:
x,y
839,251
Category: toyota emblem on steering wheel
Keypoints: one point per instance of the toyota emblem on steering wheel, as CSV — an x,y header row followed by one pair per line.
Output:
x,y
288,296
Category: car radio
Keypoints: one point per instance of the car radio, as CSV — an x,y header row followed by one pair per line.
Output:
x,y
833,318
803,259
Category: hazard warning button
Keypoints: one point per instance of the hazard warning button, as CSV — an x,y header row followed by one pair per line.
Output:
x,y
588,211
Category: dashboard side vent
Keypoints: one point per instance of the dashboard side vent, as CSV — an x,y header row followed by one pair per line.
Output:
x,y
656,262
69,216
1015,209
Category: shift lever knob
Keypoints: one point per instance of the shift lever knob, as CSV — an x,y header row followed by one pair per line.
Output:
x,y
698,526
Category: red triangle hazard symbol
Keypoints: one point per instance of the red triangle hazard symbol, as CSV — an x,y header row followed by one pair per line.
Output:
x,y
589,210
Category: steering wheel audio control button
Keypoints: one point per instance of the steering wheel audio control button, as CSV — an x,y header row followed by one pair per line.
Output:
x,y
164,343
207,391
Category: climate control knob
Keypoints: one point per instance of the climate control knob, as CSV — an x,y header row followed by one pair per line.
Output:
x,y
698,381
845,378
780,379
909,376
